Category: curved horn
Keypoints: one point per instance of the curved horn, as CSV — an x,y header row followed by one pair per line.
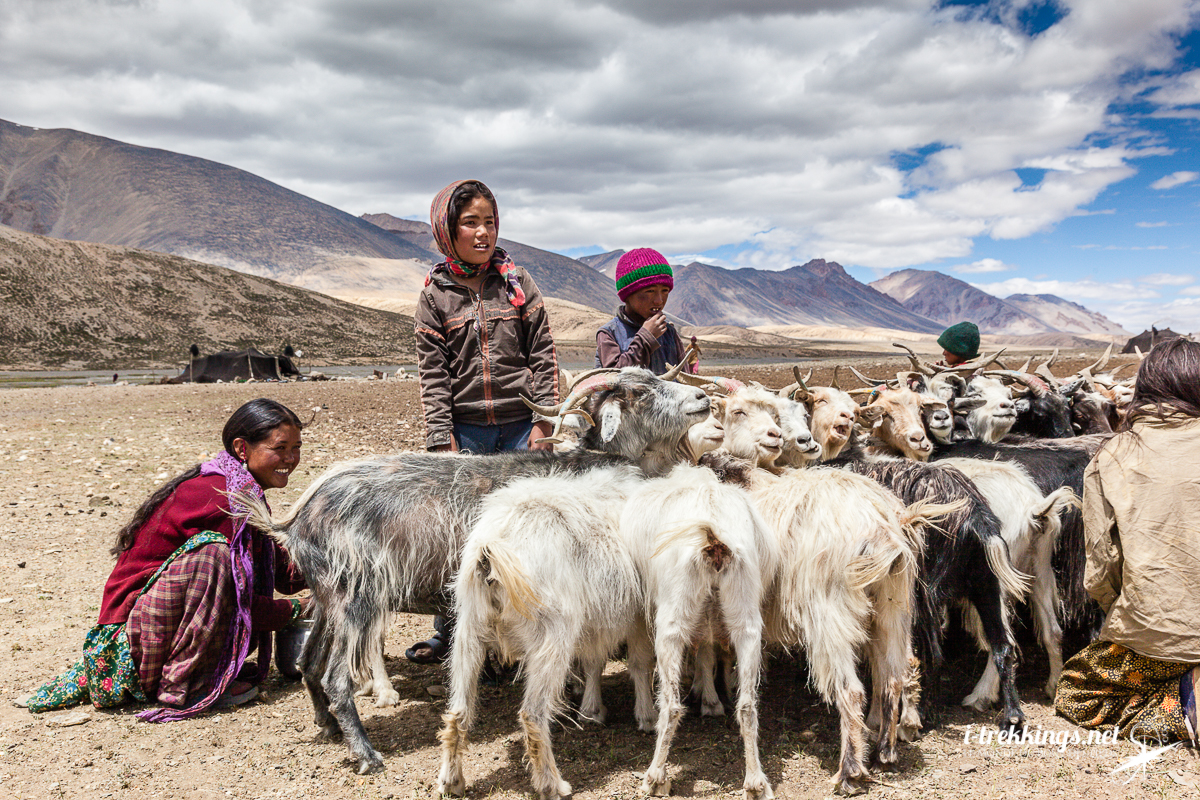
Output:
x,y
865,379
583,376
834,383
674,371
600,380
1034,383
921,366
545,411
802,381
1113,372
1102,362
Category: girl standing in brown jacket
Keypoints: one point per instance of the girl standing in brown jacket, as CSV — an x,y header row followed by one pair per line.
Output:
x,y
483,339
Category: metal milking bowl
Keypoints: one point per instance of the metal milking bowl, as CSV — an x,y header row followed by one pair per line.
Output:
x,y
289,642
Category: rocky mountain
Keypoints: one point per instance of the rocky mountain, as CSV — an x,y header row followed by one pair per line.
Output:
x,y
948,300
604,262
1063,315
71,305
556,275
817,293
77,186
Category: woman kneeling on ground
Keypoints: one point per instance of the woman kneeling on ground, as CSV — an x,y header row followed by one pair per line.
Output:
x,y
1141,502
193,590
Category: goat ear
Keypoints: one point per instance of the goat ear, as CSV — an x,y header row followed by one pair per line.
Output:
x,y
717,407
610,420
802,396
869,415
962,404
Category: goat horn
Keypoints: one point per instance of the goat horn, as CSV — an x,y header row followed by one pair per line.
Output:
x,y
583,376
1032,381
1113,372
802,381
1043,371
1103,362
975,364
1025,367
787,391
834,383
545,411
923,367
865,379
1051,359
674,371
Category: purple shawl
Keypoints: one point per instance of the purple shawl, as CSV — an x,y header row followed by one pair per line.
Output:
x,y
247,582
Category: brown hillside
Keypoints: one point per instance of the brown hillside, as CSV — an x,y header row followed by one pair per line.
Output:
x,y
73,185
88,306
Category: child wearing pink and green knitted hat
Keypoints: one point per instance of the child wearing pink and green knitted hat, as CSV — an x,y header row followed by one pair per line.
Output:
x,y
640,335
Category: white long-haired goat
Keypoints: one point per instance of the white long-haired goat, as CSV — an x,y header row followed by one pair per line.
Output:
x,y
566,568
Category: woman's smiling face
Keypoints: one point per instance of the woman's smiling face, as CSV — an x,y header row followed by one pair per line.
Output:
x,y
272,460
475,236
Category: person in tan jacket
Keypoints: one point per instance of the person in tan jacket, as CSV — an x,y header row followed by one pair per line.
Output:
x,y
1141,511
483,339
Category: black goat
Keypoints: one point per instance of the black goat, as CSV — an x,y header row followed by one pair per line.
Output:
x,y
1052,464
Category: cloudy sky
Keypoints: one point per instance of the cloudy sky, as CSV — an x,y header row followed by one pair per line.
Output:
x,y
1041,146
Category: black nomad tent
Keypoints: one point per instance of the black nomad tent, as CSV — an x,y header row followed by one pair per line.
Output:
x,y
232,365
1147,339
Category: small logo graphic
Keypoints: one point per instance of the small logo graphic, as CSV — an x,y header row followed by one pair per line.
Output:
x,y
1136,765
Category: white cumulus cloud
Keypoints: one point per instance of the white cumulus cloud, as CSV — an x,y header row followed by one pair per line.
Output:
x,y
983,265
1174,179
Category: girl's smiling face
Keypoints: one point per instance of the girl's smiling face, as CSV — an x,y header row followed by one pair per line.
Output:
x,y
475,235
645,303
272,460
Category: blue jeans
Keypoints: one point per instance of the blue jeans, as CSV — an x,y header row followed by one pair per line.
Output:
x,y
483,439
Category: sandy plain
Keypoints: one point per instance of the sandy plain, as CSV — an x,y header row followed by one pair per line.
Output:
x,y
76,461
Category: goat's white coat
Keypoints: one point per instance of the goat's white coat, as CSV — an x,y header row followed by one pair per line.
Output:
x,y
1030,525
566,568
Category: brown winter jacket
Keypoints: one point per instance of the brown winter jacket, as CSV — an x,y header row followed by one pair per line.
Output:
x,y
477,354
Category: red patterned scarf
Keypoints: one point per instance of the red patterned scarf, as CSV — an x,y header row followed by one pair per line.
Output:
x,y
439,219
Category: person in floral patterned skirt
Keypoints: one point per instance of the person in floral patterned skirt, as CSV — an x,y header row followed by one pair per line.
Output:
x,y
193,589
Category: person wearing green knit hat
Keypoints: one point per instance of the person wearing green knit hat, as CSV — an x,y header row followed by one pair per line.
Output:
x,y
959,343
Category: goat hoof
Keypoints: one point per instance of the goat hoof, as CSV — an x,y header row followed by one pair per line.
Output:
x,y
656,783
977,702
850,786
330,732
596,716
563,790
456,787
387,698
1052,688
1012,720
368,766
886,762
713,709
908,733
758,788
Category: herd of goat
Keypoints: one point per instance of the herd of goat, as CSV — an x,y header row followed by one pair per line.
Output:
x,y
696,517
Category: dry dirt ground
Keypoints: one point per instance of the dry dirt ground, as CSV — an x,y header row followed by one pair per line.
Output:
x,y
75,461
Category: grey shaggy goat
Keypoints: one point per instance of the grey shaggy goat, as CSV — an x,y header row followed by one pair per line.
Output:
x,y
386,532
